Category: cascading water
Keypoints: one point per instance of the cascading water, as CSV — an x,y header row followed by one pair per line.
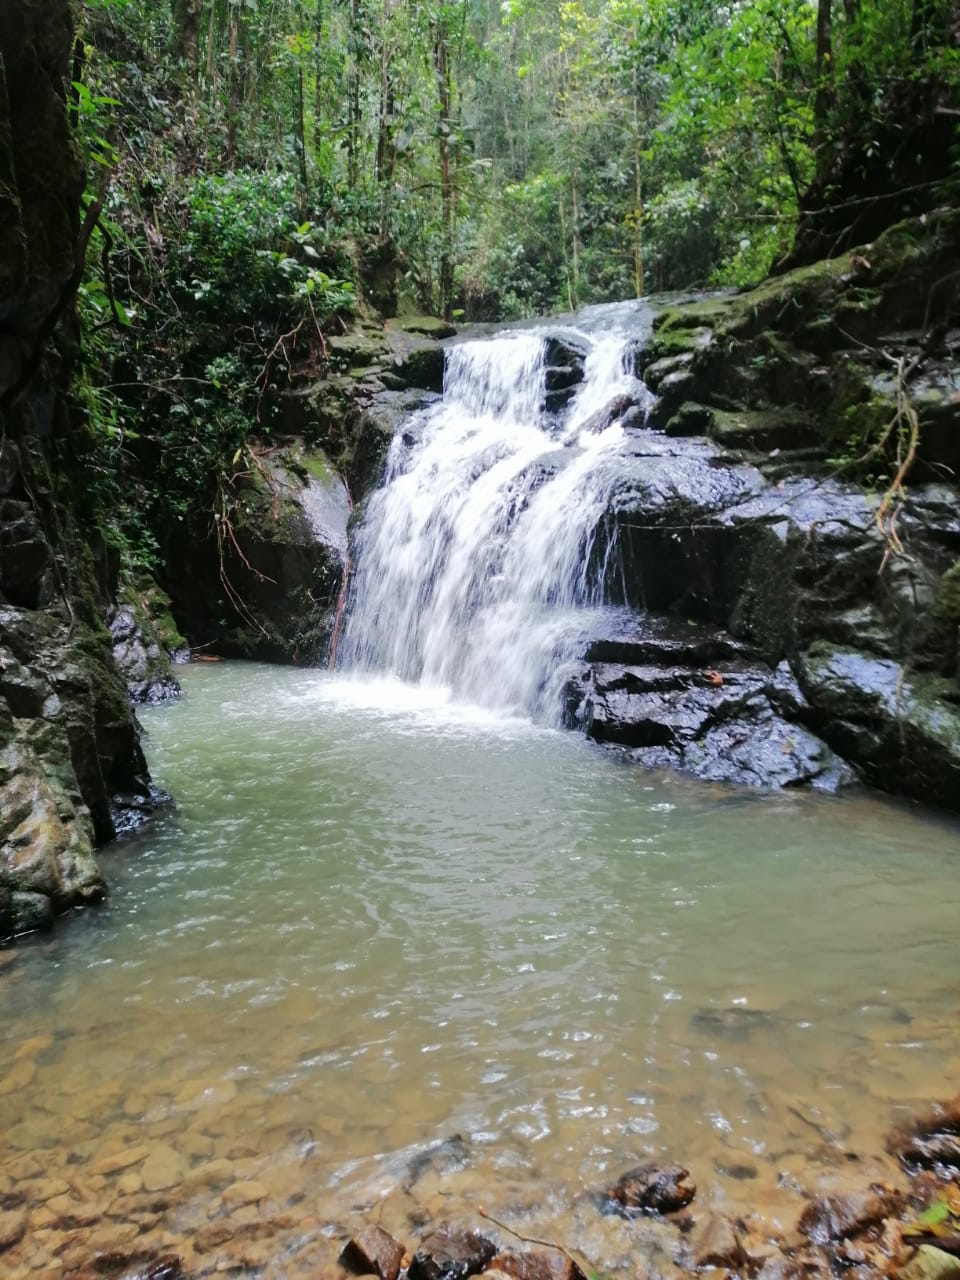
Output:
x,y
476,564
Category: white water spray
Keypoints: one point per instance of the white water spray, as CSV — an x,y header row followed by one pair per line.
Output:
x,y
476,569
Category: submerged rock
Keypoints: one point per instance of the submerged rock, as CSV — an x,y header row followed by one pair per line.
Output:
x,y
733,1024
649,1188
716,1244
837,1217
444,1157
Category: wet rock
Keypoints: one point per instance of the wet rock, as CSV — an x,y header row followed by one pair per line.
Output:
x,y
163,1168
373,1252
717,723
242,1193
608,415
284,559
932,1141
566,351
542,1264
716,1244
168,1268
837,1217
420,364
13,1225
428,326
778,1267
451,1253
144,664
445,1156
650,1188
561,378
901,728
564,358
931,1263
31,911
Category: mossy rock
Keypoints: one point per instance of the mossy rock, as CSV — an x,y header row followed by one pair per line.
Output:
x,y
940,634
427,326
421,366
762,429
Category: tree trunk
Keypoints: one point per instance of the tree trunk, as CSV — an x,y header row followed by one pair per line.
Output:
x,y
353,98
441,64
822,101
318,99
186,34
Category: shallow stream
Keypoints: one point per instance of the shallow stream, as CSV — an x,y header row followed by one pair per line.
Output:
x,y
377,919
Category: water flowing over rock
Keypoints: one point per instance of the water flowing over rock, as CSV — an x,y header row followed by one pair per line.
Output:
x,y
553,540
475,563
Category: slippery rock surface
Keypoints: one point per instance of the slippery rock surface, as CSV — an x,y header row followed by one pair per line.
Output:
x,y
691,699
71,768
143,662
805,655
729,515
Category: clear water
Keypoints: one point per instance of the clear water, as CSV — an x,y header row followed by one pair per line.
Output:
x,y
379,918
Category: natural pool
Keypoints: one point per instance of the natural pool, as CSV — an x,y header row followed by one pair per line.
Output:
x,y
376,921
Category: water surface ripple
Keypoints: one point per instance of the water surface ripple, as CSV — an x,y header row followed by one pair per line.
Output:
x,y
376,920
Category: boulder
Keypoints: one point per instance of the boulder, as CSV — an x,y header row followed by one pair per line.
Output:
x,y
451,1253
649,1188
267,585
373,1252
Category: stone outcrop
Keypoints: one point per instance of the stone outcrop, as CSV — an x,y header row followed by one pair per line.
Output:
x,y
71,770
265,580
785,620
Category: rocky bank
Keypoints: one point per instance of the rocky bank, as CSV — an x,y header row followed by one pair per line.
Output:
x,y
789,532
72,773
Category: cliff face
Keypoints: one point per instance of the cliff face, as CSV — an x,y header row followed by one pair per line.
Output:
x,y
71,768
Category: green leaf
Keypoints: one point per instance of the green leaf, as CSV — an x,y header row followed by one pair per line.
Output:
x,y
938,1212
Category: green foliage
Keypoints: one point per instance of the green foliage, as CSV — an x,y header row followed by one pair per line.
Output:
x,y
265,168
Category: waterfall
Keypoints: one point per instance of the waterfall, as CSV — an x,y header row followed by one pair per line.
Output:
x,y
476,560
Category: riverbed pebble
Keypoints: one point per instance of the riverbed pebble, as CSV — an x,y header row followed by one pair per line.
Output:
x,y
163,1168
373,1252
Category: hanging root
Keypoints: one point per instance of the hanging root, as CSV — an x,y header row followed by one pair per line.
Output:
x,y
906,424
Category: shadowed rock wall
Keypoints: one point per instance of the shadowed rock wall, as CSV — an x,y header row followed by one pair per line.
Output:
x,y
71,768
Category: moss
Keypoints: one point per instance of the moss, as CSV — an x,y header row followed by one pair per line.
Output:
x,y
940,637
151,606
698,314
318,466
429,326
